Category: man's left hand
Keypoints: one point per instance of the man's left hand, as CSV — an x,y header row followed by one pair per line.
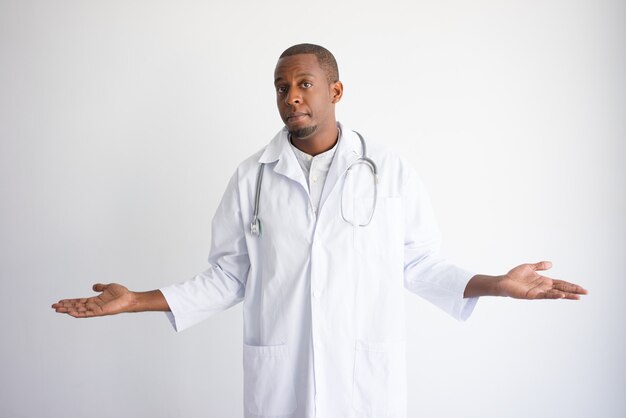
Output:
x,y
524,282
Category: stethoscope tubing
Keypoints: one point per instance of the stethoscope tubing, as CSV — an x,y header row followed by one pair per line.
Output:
x,y
255,225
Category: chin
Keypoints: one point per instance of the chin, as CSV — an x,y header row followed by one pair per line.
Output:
x,y
303,132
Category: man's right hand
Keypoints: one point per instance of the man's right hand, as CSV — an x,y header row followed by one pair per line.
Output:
x,y
114,299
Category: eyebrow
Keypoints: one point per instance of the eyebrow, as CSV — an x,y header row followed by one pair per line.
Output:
x,y
297,76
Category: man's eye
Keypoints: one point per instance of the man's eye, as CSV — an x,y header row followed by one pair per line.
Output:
x,y
281,90
306,85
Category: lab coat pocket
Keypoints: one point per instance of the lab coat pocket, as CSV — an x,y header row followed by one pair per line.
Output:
x,y
268,383
379,386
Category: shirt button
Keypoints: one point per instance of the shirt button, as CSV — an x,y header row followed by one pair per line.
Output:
x,y
316,294
314,178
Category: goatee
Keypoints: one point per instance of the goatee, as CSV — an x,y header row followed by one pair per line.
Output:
x,y
303,132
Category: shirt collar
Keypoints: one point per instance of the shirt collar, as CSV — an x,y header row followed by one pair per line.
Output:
x,y
279,151
324,158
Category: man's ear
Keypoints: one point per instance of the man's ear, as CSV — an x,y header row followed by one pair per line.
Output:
x,y
336,91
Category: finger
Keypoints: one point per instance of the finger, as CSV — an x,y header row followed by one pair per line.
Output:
x,y
551,294
78,308
72,303
555,294
569,287
69,302
70,306
542,265
73,311
99,287
81,314
78,303
63,302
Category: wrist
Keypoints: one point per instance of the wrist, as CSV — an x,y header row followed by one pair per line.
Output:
x,y
498,288
484,285
152,300
134,304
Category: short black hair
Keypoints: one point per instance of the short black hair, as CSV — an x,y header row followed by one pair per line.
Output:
x,y
324,57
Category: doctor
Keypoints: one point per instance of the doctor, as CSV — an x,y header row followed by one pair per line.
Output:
x,y
319,234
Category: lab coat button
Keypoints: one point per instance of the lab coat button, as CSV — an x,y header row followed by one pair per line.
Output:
x,y
316,294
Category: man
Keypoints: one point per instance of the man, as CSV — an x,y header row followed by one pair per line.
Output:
x,y
319,234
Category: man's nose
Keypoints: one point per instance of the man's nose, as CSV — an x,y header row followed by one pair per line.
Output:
x,y
293,98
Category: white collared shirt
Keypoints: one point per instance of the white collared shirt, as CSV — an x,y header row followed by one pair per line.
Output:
x,y
315,170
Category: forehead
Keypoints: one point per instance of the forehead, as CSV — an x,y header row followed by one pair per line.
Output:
x,y
297,65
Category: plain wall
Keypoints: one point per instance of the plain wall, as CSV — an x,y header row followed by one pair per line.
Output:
x,y
121,122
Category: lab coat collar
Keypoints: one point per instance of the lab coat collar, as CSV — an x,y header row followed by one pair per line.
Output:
x,y
348,151
277,148
279,151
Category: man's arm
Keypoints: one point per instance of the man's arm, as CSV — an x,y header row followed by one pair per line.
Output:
x,y
523,282
114,299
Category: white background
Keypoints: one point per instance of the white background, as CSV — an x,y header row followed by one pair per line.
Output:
x,y
121,122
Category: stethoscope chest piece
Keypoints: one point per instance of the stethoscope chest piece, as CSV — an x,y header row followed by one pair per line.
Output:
x,y
255,225
255,228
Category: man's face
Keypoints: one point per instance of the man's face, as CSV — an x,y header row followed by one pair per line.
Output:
x,y
305,98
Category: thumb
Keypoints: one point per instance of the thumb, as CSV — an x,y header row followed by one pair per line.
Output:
x,y
542,265
99,287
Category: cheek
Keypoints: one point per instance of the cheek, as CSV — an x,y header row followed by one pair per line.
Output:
x,y
280,104
321,106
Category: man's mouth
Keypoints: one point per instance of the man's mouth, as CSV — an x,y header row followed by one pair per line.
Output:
x,y
296,116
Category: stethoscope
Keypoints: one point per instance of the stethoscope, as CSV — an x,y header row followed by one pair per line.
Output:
x,y
255,225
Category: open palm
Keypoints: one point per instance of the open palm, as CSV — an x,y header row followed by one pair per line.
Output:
x,y
523,282
114,299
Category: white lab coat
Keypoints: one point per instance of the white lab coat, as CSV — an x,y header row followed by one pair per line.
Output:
x,y
324,318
